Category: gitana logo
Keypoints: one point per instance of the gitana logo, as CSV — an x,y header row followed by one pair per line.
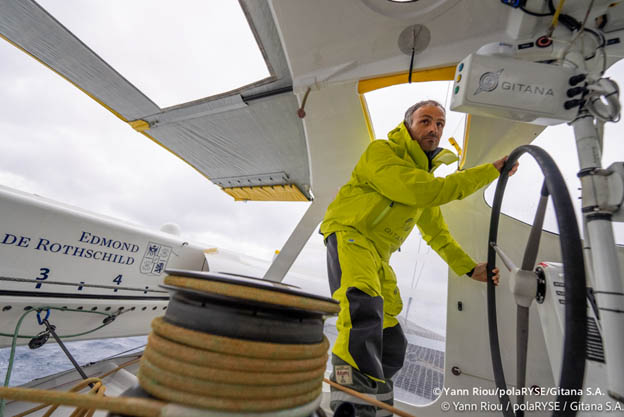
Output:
x,y
527,89
488,81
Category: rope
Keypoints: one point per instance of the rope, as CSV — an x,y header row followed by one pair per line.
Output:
x,y
237,347
125,351
225,404
230,376
237,363
120,367
82,384
203,370
7,377
198,385
369,400
130,406
66,336
98,389
133,406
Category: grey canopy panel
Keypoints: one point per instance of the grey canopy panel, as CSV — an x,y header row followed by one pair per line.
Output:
x,y
261,125
250,136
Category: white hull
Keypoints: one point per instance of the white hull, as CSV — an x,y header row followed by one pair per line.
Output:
x,y
60,256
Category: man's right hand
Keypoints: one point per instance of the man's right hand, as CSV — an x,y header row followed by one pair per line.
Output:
x,y
499,165
480,273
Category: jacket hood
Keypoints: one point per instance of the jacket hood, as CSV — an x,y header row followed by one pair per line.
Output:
x,y
402,141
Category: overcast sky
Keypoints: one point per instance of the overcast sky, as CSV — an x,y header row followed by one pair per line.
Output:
x,y
58,143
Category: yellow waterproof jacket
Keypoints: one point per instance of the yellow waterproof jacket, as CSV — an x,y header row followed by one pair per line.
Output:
x,y
392,189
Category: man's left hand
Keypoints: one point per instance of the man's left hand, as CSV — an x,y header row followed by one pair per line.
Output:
x,y
480,273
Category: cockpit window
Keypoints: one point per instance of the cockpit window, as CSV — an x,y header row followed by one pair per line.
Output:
x,y
421,273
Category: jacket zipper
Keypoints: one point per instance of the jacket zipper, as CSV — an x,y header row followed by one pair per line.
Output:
x,y
381,215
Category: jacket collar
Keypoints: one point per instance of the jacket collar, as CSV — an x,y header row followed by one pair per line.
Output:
x,y
403,142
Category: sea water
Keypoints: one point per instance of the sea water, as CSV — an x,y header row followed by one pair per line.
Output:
x,y
30,364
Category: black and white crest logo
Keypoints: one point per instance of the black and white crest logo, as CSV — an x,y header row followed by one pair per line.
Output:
x,y
488,81
155,259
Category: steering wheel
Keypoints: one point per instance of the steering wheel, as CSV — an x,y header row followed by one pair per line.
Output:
x,y
525,284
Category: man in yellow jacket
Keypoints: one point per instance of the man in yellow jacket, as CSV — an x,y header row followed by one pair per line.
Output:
x,y
391,190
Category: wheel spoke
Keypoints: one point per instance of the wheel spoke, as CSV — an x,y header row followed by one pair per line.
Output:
x,y
530,252
522,340
506,259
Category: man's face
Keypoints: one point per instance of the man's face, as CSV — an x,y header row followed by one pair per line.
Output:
x,y
426,127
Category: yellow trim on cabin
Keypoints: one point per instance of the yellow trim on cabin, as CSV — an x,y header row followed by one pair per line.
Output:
x,y
462,161
139,125
288,192
367,118
211,250
437,74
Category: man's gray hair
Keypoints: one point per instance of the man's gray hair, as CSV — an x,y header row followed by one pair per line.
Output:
x,y
412,109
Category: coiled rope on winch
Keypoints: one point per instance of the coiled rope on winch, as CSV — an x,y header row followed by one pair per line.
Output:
x,y
241,375
265,365
210,366
212,376
236,369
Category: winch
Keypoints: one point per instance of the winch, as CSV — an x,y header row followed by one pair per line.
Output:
x,y
231,345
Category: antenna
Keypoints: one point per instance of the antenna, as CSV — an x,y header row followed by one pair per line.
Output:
x,y
413,40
